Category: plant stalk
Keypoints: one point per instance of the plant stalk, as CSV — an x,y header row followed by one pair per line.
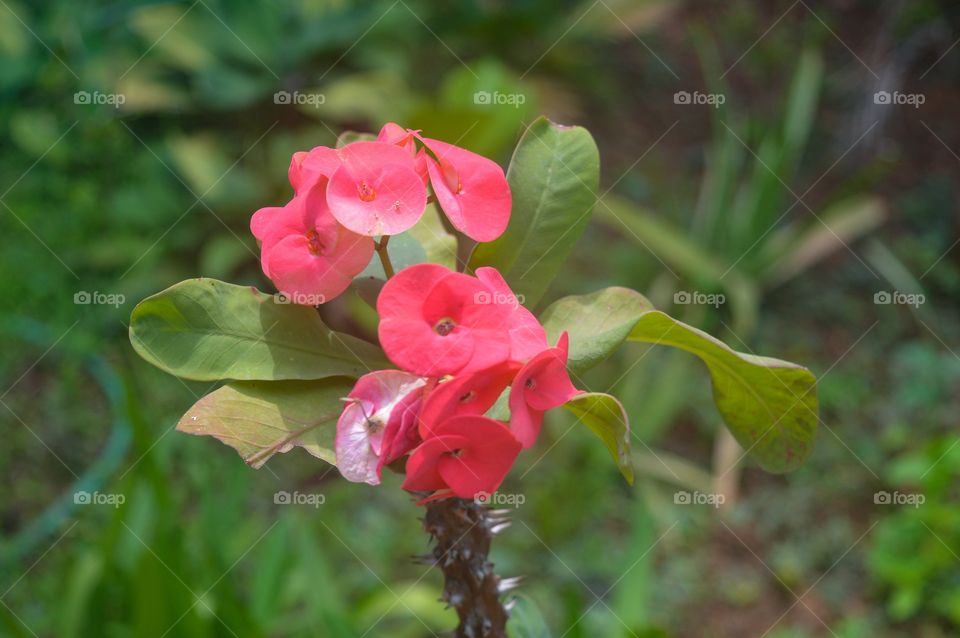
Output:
x,y
381,247
462,531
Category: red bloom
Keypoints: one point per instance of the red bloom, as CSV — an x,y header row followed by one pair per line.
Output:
x,y
434,321
466,394
465,454
540,385
305,252
527,336
375,423
376,190
306,169
471,189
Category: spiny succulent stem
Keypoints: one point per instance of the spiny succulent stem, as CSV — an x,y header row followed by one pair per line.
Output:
x,y
462,532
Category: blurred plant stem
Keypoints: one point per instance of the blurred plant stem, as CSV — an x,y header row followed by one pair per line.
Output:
x,y
462,531
385,256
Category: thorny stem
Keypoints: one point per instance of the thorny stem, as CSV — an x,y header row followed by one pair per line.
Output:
x,y
385,256
462,531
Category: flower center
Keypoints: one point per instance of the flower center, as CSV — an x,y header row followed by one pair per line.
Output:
x,y
530,384
445,326
313,240
468,396
366,193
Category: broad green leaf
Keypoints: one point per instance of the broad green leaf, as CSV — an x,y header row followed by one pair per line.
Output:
x,y
605,416
769,405
553,177
262,418
597,323
207,330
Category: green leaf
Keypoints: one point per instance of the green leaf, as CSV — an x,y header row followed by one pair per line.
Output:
x,y
606,418
769,405
597,323
553,177
207,330
262,418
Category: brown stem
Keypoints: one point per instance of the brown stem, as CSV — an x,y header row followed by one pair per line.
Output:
x,y
385,256
462,531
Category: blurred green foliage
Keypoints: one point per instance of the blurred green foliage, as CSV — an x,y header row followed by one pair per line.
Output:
x,y
130,199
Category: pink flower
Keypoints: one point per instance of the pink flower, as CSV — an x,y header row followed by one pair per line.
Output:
x,y
434,321
527,336
305,252
375,422
465,455
540,385
306,169
471,189
466,394
392,133
376,189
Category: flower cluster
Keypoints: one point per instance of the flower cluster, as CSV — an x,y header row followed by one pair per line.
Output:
x,y
315,245
460,342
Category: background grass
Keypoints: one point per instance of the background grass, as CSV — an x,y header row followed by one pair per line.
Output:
x,y
799,199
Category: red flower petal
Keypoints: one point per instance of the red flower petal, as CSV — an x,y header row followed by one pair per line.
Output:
x,y
471,189
376,190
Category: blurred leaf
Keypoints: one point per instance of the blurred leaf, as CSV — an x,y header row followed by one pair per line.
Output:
x,y
553,176
222,255
597,323
438,244
769,405
176,34
349,137
672,246
526,620
262,418
206,330
605,417
792,251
